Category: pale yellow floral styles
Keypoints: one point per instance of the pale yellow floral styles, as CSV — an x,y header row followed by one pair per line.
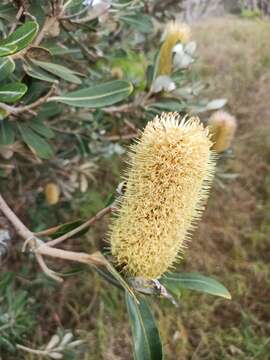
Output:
x,y
171,168
222,127
174,33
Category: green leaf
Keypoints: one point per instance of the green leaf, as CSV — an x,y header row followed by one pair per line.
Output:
x,y
167,105
59,70
109,277
3,114
97,96
7,50
175,282
65,228
8,12
22,37
49,110
110,268
40,146
146,339
140,22
10,93
7,66
41,129
7,134
37,73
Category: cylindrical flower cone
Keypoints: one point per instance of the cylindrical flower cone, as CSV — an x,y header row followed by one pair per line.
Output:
x,y
52,193
174,33
222,127
171,168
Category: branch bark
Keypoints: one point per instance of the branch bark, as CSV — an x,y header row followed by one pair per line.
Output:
x,y
40,248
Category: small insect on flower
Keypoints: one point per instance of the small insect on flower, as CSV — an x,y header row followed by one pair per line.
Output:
x,y
222,127
174,33
171,168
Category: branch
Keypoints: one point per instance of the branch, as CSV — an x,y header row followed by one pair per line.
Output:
x,y
122,108
89,222
120,137
40,248
20,109
21,229
18,15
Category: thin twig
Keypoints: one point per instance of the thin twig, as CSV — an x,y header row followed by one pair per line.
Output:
x,y
45,268
121,137
89,54
90,259
48,24
131,125
122,108
18,15
40,248
89,222
20,109
21,229
66,17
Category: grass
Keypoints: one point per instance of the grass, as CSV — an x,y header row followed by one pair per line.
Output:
x,y
230,244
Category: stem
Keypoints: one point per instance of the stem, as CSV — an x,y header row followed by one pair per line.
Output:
x,y
22,230
120,137
49,22
89,54
18,15
20,109
71,255
89,222
33,351
122,108
40,248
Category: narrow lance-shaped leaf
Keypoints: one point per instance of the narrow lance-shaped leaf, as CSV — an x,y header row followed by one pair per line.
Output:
x,y
36,143
58,70
146,338
166,105
7,67
142,23
8,12
7,134
175,282
10,93
7,50
97,96
41,129
3,113
118,277
37,73
22,37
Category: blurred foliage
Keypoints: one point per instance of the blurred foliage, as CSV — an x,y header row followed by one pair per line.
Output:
x,y
17,313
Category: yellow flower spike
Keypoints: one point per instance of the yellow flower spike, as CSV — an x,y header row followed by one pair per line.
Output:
x,y
222,127
174,33
171,168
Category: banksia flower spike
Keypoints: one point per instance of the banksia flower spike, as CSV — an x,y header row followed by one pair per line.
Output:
x,y
52,193
222,127
174,33
167,185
